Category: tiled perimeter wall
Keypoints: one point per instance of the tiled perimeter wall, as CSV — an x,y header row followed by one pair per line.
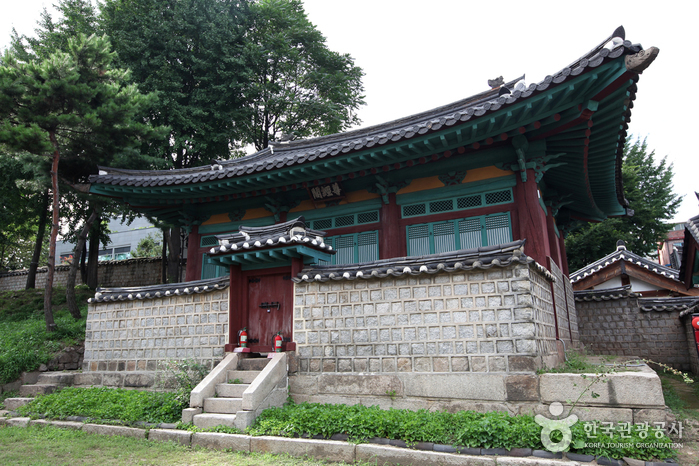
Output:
x,y
499,320
618,326
133,336
130,272
565,309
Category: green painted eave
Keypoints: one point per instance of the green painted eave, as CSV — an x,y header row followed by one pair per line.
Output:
x,y
268,258
587,178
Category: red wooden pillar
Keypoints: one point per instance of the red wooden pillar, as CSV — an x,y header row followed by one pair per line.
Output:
x,y
553,238
391,235
236,307
193,271
532,218
564,256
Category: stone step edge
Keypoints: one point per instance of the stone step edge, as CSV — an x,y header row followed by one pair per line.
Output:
x,y
391,449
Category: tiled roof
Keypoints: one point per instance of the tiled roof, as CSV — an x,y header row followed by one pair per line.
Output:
x,y
65,268
483,258
159,291
693,226
622,254
680,303
283,155
281,234
605,294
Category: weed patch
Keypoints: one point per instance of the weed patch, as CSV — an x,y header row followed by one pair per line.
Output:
x,y
463,428
107,404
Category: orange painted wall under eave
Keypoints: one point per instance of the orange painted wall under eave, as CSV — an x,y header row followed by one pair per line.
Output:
x,y
420,184
476,174
354,196
249,215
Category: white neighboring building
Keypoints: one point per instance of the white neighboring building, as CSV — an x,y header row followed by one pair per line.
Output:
x,y
123,241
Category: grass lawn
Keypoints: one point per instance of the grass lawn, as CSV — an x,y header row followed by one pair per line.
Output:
x,y
52,446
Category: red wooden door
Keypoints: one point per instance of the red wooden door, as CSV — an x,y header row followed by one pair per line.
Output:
x,y
265,321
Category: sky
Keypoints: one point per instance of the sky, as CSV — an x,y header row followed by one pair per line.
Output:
x,y
418,55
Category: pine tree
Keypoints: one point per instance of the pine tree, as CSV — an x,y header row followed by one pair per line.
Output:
x,y
73,103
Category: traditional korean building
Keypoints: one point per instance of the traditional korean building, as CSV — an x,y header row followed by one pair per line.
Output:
x,y
623,267
432,243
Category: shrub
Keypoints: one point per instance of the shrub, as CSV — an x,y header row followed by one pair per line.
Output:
x,y
182,376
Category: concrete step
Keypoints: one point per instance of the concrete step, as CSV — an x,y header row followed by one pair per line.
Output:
x,y
11,404
223,405
253,364
243,376
207,420
37,389
231,390
56,378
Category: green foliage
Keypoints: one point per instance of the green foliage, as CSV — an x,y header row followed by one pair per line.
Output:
x,y
191,53
24,342
107,404
649,190
182,376
150,246
300,87
219,429
21,193
462,428
75,17
624,443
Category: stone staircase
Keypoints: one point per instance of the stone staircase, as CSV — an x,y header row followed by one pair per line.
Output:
x,y
47,382
228,400
237,390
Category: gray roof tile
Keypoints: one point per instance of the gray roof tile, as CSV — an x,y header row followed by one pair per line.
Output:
x,y
622,254
298,152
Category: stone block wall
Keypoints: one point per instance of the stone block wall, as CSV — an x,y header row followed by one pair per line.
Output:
x,y
619,326
132,337
124,273
564,300
498,320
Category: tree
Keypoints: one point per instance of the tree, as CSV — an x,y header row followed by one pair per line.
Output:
x,y
300,87
73,103
649,190
75,17
150,246
191,53
19,209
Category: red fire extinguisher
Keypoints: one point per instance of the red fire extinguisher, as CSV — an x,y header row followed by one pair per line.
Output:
x,y
278,342
243,336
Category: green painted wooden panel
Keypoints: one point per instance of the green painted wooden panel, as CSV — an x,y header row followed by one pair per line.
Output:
x,y
367,246
472,201
211,270
453,235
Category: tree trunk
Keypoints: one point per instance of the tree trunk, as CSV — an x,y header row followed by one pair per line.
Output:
x,y
173,259
48,290
73,272
163,257
94,254
38,246
83,268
